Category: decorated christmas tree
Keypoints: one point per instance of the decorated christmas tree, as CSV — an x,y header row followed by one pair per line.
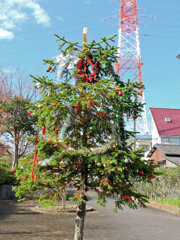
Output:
x,y
84,142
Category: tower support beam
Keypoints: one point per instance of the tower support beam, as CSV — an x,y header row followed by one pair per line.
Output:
x,y
129,57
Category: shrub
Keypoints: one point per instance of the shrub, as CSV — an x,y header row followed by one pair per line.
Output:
x,y
6,175
166,186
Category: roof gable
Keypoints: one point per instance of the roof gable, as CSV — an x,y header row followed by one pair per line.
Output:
x,y
167,149
164,127
170,152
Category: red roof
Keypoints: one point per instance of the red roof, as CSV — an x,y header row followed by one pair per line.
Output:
x,y
164,127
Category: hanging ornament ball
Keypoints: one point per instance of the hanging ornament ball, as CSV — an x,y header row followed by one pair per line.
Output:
x,y
13,171
126,197
153,176
40,105
90,105
100,111
37,85
126,161
76,106
55,104
62,163
22,178
120,94
78,163
48,69
99,164
141,173
29,113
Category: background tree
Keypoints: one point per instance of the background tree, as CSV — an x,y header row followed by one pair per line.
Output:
x,y
15,93
84,141
18,124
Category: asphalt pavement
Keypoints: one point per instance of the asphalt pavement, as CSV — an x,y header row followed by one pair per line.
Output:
x,y
18,221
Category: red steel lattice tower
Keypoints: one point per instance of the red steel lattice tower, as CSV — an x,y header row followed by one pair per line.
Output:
x,y
129,57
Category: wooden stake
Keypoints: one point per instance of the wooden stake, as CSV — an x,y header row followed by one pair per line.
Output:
x,y
85,30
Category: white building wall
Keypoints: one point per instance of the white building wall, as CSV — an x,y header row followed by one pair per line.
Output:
x,y
156,138
170,164
155,135
175,140
147,145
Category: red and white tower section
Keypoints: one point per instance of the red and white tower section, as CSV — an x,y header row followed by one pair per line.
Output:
x,y
129,56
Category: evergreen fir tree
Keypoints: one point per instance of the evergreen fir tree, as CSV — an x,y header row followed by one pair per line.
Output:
x,y
84,142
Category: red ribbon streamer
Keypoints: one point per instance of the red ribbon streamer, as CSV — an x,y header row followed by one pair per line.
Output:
x,y
34,161
44,130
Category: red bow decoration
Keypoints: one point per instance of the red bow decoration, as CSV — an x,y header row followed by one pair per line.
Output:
x,y
90,104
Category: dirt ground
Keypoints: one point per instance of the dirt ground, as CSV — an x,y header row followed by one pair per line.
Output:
x,y
18,221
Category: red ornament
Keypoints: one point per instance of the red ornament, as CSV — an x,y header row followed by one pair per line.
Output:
x,y
67,144
101,114
105,180
29,113
13,171
126,197
37,139
22,178
76,106
58,145
44,130
90,105
34,162
55,104
153,175
141,173
78,163
120,94
48,69
50,142
84,71
101,111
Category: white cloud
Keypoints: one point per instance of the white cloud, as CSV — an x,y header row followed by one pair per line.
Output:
x,y
14,12
5,34
60,18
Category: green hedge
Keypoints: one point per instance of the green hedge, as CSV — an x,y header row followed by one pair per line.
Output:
x,y
6,175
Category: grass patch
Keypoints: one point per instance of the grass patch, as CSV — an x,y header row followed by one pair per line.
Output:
x,y
171,201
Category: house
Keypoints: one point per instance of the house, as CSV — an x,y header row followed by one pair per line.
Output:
x,y
144,141
166,155
165,126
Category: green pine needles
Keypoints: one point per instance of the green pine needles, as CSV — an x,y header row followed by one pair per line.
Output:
x,y
84,143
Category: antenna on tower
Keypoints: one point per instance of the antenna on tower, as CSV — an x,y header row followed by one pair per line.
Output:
x,y
129,57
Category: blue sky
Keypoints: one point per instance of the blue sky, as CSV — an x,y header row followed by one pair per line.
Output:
x,y
27,28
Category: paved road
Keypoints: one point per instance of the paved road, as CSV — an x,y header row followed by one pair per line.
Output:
x,y
17,221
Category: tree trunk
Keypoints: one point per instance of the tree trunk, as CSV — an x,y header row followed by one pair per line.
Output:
x,y
64,201
79,222
15,157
